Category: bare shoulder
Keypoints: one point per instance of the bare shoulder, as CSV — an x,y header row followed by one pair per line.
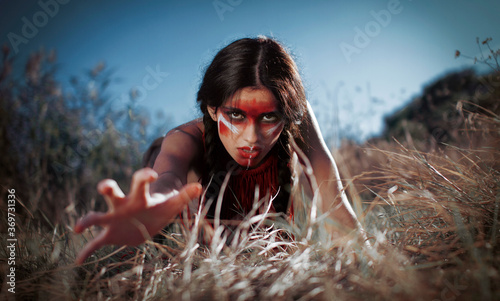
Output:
x,y
193,128
185,139
180,159
183,145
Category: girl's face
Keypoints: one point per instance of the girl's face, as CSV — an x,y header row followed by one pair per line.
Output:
x,y
249,125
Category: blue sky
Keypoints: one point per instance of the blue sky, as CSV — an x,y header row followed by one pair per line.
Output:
x,y
350,78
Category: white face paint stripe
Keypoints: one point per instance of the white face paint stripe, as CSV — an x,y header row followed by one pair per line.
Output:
x,y
230,126
271,130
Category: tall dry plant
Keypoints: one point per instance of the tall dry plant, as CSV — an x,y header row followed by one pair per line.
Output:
x,y
438,206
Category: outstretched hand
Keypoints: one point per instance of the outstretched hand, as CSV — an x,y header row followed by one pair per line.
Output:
x,y
132,219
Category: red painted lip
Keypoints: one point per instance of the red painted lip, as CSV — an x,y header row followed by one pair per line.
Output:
x,y
249,153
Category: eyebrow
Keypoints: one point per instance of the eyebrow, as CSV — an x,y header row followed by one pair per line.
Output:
x,y
240,110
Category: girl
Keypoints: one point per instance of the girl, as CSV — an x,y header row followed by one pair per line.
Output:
x,y
253,102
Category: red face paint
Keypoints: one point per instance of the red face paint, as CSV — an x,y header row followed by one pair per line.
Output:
x,y
276,130
255,109
249,125
223,129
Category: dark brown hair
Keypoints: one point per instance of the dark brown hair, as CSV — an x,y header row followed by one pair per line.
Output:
x,y
260,63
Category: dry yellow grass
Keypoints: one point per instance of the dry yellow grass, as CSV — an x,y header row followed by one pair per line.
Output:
x,y
431,213
432,221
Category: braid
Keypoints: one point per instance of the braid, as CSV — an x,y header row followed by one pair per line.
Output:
x,y
284,173
212,141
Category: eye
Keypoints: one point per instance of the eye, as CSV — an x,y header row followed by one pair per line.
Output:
x,y
270,118
235,116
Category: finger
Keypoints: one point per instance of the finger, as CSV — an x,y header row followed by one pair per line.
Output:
x,y
140,183
112,193
192,190
91,219
90,247
188,193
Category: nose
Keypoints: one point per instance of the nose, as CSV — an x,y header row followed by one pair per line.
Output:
x,y
251,133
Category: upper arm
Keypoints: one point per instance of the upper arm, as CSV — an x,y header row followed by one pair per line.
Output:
x,y
181,153
314,147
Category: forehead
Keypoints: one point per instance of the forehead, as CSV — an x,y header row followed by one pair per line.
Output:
x,y
254,100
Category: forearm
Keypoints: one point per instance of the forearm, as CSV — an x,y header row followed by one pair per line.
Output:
x,y
167,182
335,202
333,199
